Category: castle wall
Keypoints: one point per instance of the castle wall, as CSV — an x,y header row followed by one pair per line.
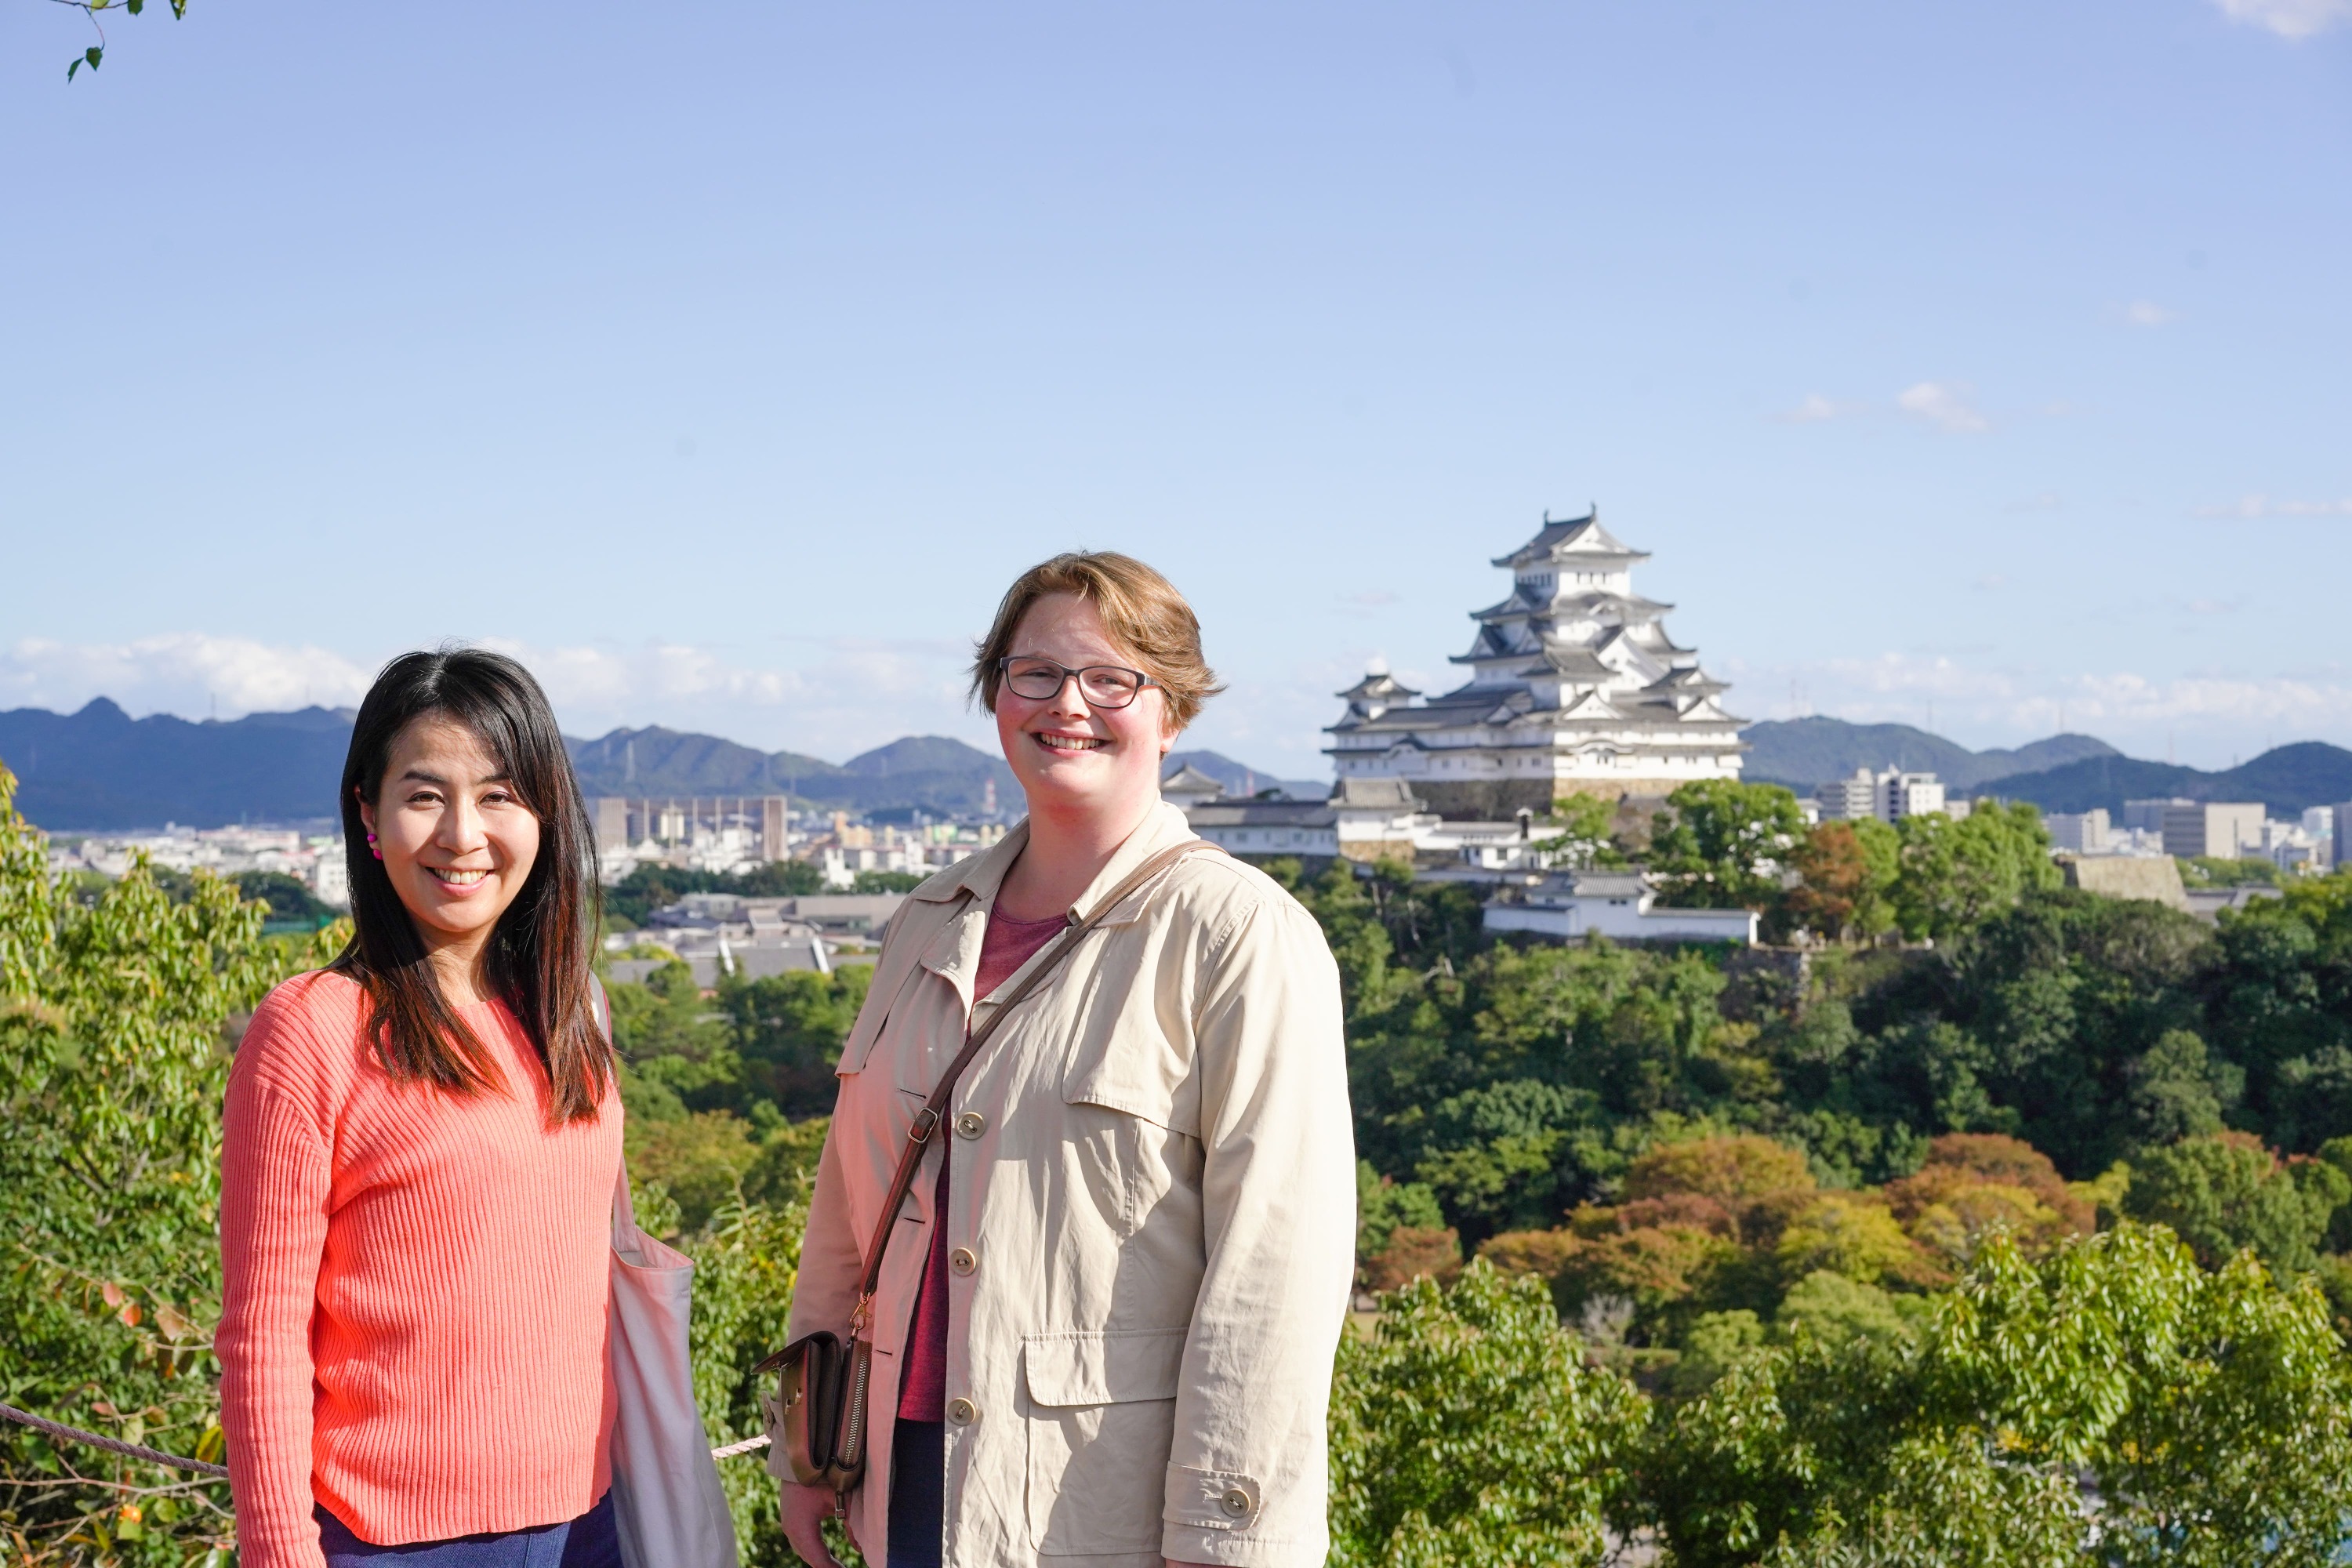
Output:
x,y
1499,800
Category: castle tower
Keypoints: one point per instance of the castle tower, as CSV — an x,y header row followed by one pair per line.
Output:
x,y
1574,688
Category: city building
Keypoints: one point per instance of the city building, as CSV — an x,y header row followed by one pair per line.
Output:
x,y
727,933
2083,832
2222,829
1890,796
314,859
2340,840
1848,800
1575,688
1618,905
1266,826
1903,795
918,849
708,833
2147,816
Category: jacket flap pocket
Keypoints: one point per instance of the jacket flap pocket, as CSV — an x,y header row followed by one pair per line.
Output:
x,y
1110,1366
1131,1066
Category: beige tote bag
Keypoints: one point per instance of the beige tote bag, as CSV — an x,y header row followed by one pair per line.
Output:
x,y
668,1505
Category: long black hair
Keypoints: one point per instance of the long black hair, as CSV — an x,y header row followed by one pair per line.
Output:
x,y
537,959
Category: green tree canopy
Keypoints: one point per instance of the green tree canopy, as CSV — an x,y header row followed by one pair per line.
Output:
x,y
1721,844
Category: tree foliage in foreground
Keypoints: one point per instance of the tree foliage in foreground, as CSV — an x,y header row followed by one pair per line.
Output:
x,y
2113,1404
1468,1428
112,1063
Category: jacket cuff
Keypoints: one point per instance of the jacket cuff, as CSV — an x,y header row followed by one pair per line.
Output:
x,y
1215,1516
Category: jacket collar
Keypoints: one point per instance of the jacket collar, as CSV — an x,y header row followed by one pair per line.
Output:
x,y
953,952
981,874
1161,827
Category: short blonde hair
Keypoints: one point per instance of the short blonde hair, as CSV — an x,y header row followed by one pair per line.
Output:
x,y
1139,607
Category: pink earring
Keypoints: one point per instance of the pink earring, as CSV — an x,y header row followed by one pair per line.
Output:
x,y
372,849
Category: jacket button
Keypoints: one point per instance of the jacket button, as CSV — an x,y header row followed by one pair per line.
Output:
x,y
964,1260
962,1412
1235,1503
971,1124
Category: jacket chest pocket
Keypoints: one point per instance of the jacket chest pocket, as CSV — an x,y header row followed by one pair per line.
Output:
x,y
1132,1121
1101,1420
1124,1060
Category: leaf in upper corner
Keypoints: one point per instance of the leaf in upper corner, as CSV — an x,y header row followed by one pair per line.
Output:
x,y
134,6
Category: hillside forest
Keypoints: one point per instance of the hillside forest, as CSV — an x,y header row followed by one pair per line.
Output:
x,y
1998,1223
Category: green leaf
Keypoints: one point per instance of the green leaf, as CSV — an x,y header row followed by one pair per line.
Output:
x,y
136,5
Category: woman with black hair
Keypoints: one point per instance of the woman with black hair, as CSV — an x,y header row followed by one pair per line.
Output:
x,y
418,1170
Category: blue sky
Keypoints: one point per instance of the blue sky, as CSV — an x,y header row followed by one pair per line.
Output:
x,y
1986,362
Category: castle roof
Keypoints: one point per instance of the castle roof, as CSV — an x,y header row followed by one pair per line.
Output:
x,y
1578,536
1575,663
1190,780
1378,686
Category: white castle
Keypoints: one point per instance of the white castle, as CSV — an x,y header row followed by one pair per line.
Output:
x,y
1575,688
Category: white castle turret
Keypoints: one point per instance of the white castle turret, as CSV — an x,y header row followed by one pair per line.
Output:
x,y
1575,688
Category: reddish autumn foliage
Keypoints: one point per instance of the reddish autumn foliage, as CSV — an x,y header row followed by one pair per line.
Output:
x,y
1412,1252
1959,1161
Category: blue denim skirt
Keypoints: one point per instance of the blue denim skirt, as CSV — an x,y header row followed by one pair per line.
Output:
x,y
588,1542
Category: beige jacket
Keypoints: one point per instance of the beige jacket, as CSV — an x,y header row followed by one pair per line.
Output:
x,y
1153,1212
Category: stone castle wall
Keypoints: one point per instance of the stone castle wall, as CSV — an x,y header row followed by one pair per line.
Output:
x,y
1499,800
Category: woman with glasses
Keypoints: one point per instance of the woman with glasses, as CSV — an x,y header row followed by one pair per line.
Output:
x,y
1106,1314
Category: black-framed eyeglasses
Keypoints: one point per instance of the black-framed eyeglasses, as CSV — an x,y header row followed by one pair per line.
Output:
x,y
1102,685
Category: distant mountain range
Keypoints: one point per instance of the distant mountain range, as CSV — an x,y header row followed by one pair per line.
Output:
x,y
2064,773
1803,752
2289,780
100,770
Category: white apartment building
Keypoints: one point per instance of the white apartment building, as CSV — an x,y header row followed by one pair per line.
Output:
x,y
1618,905
1890,796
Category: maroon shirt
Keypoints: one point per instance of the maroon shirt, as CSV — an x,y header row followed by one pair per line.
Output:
x,y
1007,945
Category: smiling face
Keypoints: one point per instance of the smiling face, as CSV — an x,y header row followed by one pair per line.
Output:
x,y
1074,759
457,841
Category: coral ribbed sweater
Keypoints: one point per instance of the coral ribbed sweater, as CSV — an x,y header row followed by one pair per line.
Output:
x,y
416,1288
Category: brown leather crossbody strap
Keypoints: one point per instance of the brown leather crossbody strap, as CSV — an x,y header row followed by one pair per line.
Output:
x,y
927,1121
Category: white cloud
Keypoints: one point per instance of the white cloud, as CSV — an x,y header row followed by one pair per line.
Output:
x,y
1812,410
1945,407
189,673
2149,313
833,698
2288,18
2262,505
